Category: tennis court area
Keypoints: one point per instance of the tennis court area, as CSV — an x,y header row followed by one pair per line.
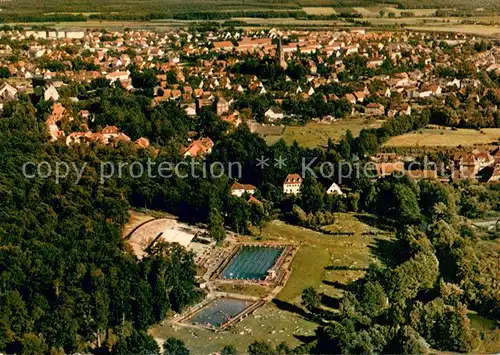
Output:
x,y
219,312
252,263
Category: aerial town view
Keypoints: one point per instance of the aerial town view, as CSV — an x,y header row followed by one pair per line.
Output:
x,y
249,177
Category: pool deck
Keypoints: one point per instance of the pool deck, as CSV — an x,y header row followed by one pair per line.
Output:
x,y
278,268
274,282
186,318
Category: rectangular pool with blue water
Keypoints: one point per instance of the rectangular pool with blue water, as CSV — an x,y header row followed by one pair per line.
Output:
x,y
252,263
218,312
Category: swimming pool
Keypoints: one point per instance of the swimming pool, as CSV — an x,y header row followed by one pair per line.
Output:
x,y
251,263
219,312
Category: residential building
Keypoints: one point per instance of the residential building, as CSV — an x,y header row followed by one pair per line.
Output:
x,y
200,147
239,190
292,184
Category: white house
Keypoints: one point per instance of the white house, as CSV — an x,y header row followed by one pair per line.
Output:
x,y
75,34
239,190
190,110
118,75
51,93
292,184
274,114
7,90
334,189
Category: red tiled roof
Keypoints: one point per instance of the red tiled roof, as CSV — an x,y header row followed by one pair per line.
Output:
x,y
293,179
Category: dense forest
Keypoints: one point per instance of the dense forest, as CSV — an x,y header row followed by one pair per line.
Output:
x,y
67,283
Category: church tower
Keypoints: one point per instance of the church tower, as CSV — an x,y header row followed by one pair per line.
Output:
x,y
281,55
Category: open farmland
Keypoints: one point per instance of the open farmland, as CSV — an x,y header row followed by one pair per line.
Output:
x,y
374,11
481,30
129,8
445,138
317,134
320,11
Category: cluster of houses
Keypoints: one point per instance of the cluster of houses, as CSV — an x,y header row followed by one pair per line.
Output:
x,y
110,55
291,186
108,135
194,70
476,165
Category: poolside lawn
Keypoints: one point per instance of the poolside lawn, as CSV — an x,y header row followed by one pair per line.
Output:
x,y
320,262
323,260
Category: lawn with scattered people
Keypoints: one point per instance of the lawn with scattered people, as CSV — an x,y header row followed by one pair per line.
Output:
x,y
317,134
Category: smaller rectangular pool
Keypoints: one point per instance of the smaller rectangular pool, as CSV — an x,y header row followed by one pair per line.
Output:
x,y
219,312
252,263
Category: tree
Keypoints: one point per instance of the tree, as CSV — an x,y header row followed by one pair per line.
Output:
x,y
444,327
310,299
408,341
4,73
395,199
171,78
260,348
296,71
284,349
407,210
373,300
311,195
229,350
216,226
431,195
145,80
345,144
174,346
99,83
444,115
210,125
239,218
32,344
381,13
138,343
418,274
257,215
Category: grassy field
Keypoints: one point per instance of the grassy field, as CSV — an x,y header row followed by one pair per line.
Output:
x,y
268,323
131,14
445,138
323,259
321,262
139,7
490,331
317,134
